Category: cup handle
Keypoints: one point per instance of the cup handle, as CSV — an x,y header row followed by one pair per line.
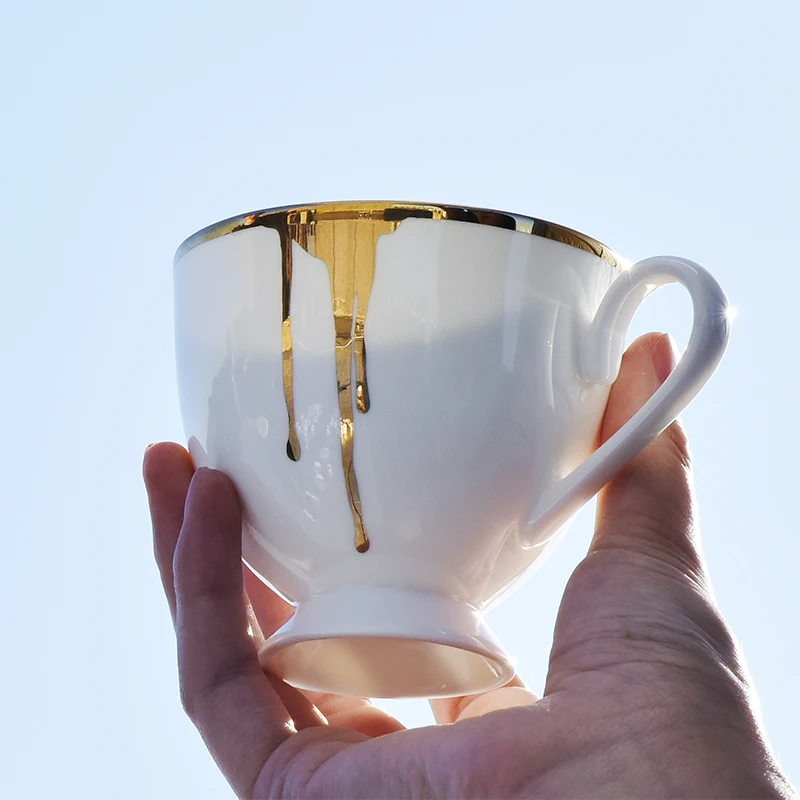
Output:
x,y
601,355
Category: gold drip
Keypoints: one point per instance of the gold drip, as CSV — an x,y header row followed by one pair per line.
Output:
x,y
347,246
293,443
346,243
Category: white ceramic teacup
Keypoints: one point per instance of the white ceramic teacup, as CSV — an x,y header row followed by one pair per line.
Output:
x,y
407,397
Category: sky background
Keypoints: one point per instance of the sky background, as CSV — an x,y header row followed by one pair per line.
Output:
x,y
657,128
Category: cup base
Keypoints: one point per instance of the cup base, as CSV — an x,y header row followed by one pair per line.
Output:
x,y
378,642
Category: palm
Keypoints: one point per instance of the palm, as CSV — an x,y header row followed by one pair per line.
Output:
x,y
609,710
645,695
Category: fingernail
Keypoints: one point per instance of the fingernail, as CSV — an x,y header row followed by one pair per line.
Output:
x,y
665,357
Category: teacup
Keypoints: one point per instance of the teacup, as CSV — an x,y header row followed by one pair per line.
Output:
x,y
407,397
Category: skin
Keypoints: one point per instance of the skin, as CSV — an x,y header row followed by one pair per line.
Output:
x,y
647,694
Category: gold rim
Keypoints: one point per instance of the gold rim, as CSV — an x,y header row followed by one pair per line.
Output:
x,y
397,212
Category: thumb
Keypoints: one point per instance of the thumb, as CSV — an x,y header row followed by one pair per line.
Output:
x,y
649,508
642,594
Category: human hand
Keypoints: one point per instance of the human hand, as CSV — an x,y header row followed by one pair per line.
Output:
x,y
646,695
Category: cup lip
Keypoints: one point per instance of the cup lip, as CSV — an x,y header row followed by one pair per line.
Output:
x,y
398,210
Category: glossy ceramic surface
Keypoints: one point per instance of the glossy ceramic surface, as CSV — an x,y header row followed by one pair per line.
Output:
x,y
489,354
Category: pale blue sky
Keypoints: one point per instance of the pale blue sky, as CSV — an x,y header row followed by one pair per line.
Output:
x,y
657,128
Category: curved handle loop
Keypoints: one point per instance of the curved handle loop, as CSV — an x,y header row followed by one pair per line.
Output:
x,y
601,354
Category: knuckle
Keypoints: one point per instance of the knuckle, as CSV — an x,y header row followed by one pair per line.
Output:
x,y
678,442
200,693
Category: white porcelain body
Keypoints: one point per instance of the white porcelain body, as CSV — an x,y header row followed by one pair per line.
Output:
x,y
488,378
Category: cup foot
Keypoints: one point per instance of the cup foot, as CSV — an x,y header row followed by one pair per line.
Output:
x,y
377,642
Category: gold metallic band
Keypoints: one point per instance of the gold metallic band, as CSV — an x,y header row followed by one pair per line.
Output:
x,y
397,212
